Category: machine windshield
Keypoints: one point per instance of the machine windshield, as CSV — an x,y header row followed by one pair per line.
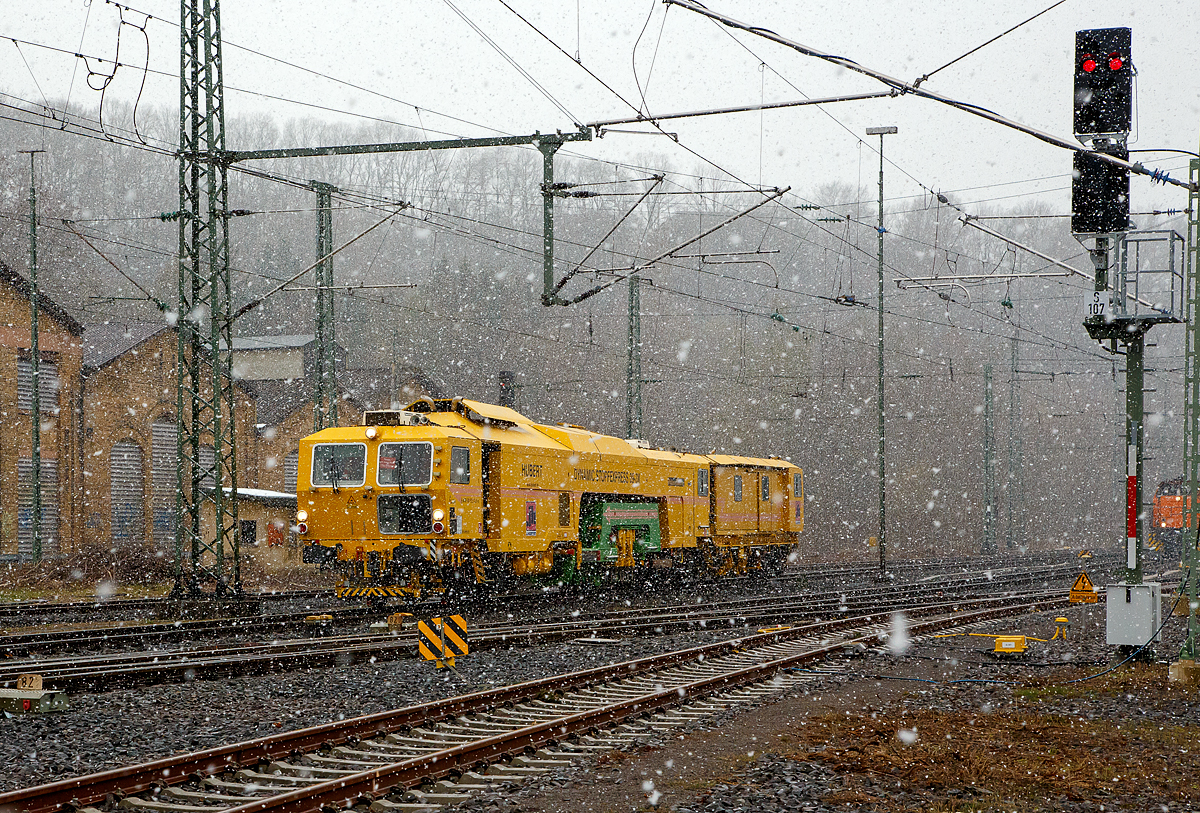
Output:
x,y
339,464
405,464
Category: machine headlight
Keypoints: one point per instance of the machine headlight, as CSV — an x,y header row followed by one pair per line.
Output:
x,y
438,514
301,515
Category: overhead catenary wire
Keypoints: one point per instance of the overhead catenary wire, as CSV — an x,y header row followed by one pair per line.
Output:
x,y
513,62
927,76
702,157
906,87
729,277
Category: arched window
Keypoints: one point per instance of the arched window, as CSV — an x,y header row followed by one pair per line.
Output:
x,y
128,494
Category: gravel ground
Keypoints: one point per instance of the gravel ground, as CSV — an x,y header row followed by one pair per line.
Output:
x,y
116,728
894,733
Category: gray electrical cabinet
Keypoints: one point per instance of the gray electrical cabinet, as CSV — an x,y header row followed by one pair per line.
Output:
x,y
1134,614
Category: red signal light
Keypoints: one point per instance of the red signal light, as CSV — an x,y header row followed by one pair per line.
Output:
x,y
438,527
1089,64
1115,63
301,528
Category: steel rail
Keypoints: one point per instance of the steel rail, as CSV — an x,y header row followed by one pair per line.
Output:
x,y
347,790
37,606
142,668
84,790
42,640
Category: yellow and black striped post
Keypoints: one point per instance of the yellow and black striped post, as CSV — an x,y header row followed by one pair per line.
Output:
x,y
442,639
454,636
376,592
429,641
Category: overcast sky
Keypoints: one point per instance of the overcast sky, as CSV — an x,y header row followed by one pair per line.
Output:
x,y
422,64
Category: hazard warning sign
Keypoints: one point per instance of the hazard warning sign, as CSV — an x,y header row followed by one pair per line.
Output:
x,y
1083,591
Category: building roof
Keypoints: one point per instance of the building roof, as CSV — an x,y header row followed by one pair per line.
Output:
x,y
277,400
264,496
372,386
107,341
369,388
45,303
285,342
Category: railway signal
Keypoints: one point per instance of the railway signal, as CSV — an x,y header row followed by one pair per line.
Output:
x,y
1100,193
1103,82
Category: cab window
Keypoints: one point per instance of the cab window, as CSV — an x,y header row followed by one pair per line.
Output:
x,y
766,487
737,488
702,483
405,464
460,465
339,464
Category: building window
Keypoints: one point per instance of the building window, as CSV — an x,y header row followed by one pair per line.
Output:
x,y
291,471
49,525
48,385
208,466
128,494
164,454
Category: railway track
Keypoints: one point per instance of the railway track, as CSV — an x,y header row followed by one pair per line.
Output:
x,y
161,633
899,569
105,671
128,606
442,752
124,635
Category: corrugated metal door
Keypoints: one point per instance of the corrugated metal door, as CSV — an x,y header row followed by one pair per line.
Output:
x,y
50,546
128,495
291,467
163,454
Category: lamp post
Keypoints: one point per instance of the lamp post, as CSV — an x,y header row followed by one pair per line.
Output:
x,y
881,132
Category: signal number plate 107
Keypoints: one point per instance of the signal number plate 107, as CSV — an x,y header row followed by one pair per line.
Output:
x,y
1097,304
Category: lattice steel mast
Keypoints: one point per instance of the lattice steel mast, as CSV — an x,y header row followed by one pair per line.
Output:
x,y
989,465
1191,420
325,373
206,450
35,395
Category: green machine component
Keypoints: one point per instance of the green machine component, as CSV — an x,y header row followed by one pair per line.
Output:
x,y
600,524
32,701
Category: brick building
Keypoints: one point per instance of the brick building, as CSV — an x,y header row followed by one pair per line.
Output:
x,y
130,435
60,351
108,399
280,370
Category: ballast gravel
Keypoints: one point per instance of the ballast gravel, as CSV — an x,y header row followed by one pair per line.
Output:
x,y
117,728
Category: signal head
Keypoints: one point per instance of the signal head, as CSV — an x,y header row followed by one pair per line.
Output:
x,y
1103,83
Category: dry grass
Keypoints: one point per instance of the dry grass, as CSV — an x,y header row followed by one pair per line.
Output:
x,y
103,571
91,569
1026,760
